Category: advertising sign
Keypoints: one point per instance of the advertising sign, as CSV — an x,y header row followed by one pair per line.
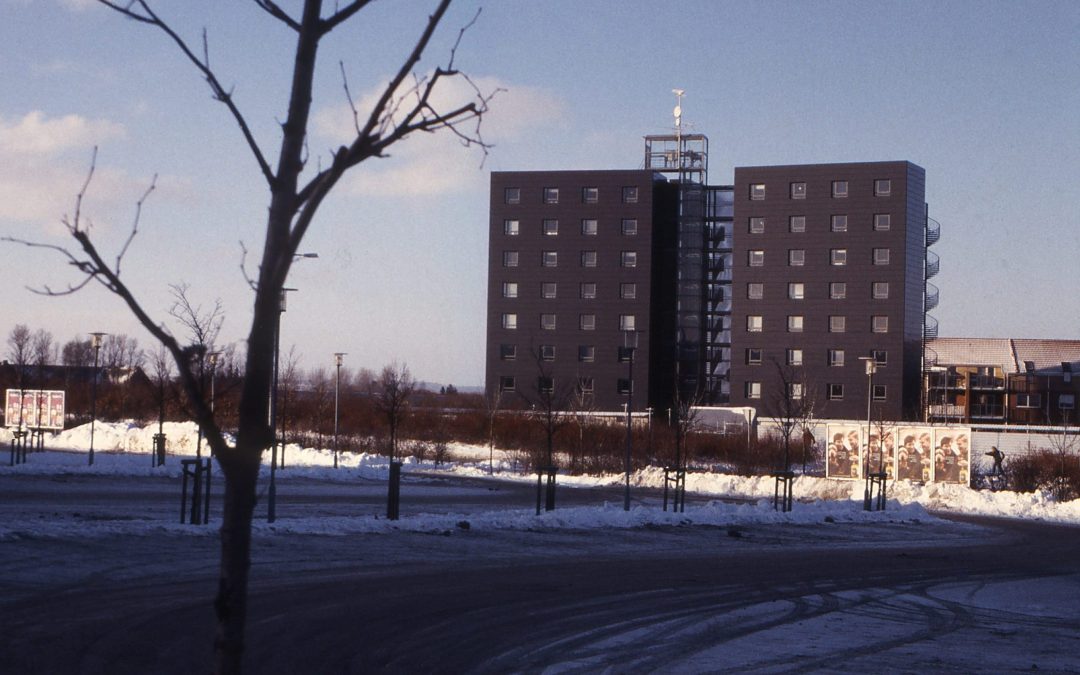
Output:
x,y
915,453
34,409
842,460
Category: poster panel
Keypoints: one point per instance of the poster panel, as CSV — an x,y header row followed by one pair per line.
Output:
x,y
949,465
914,456
34,409
842,458
882,450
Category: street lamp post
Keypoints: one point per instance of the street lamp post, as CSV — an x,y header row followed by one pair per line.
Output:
x,y
338,356
629,344
871,368
212,357
271,493
95,342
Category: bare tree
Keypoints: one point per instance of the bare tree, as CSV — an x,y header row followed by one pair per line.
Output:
x,y
161,365
392,391
491,410
77,353
786,404
806,423
43,354
406,106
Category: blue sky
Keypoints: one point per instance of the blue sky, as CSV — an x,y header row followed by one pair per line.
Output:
x,y
984,95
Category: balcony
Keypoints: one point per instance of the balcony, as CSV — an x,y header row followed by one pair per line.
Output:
x,y
933,231
933,264
987,411
930,328
932,295
987,382
947,412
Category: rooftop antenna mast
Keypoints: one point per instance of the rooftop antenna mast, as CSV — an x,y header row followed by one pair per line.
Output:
x,y
678,127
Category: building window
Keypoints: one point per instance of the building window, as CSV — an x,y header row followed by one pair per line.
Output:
x,y
551,195
795,390
753,356
797,223
880,324
590,195
837,324
796,257
753,324
624,354
839,189
882,221
756,225
506,383
549,259
512,195
545,384
757,191
1029,400
588,258
586,353
547,321
839,223
511,228
585,385
879,392
795,323
510,289
509,321
629,258
836,392
548,290
755,291
547,352
588,290
796,290
798,190
627,322
882,187
838,257
630,194
628,291
753,390
794,357
629,227
881,290
589,227
837,290
881,256
587,322
836,358
757,258
507,352
550,227
880,356
624,386
1066,401
510,258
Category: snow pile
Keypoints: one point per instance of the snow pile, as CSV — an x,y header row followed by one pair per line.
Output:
x,y
124,449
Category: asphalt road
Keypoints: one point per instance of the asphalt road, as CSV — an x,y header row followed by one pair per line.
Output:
x,y
887,597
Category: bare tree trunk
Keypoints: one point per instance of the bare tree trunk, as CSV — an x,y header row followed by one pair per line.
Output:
x,y
231,602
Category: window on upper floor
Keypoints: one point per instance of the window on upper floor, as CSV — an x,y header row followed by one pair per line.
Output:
x,y
839,189
629,227
510,258
757,191
880,324
837,324
588,290
587,322
547,322
756,225
589,227
550,227
837,290
797,223
882,187
753,356
628,291
510,289
796,257
880,357
880,290
547,352
629,258
796,290
753,323
882,221
509,321
512,195
838,223
588,258
630,194
794,357
545,384
838,257
795,323
586,353
506,383
836,358
511,228
879,392
590,195
551,195
548,290
755,290
756,258
627,322
752,389
881,256
585,385
798,190
836,392
549,259
507,352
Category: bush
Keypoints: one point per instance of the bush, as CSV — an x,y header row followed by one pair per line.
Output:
x,y
1043,469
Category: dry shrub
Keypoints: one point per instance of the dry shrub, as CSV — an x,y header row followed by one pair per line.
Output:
x,y
1042,469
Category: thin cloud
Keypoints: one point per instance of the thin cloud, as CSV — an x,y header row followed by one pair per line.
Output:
x,y
36,135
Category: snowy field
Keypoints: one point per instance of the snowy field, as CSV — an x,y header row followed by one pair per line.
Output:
x,y
123,449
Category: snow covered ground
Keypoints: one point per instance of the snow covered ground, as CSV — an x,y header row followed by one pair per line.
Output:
x,y
123,449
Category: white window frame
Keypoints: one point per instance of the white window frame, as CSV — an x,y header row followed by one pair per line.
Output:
x,y
882,187
880,290
549,290
838,257
512,195
630,194
797,224
590,195
587,290
752,389
796,290
838,222
589,258
548,321
836,358
754,323
510,289
754,356
511,227
628,290
882,222
879,323
629,227
796,257
755,257
627,322
840,189
794,357
551,195
755,286
511,258
509,321
835,392
590,227
586,353
837,290
796,323
587,322
757,192
837,323
549,258
881,256
755,225
798,190
550,227
628,259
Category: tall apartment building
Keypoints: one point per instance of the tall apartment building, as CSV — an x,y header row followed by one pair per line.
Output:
x,y
803,269
576,261
829,268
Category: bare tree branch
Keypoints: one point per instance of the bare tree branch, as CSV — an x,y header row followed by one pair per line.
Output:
x,y
135,223
273,10
342,15
219,92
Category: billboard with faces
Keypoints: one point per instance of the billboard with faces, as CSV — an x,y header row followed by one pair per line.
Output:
x,y
913,453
